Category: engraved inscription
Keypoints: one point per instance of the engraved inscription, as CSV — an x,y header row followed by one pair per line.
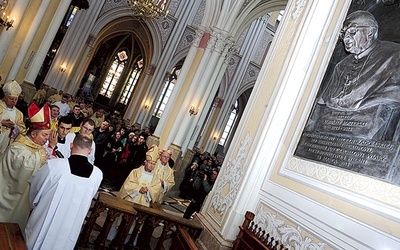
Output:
x,y
369,157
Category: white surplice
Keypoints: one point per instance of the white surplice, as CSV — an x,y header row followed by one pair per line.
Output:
x,y
60,202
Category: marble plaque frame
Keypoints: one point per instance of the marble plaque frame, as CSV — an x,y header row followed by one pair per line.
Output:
x,y
387,13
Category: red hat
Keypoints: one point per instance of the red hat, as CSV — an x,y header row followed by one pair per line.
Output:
x,y
40,118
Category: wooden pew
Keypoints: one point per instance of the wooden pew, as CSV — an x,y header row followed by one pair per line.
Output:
x,y
183,241
137,215
11,237
252,237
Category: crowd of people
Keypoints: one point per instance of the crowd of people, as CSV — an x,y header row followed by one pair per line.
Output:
x,y
58,150
198,181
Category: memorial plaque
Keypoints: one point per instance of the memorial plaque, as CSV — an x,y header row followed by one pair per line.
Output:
x,y
355,120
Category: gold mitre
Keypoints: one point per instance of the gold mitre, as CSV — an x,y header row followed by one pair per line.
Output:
x,y
153,153
12,88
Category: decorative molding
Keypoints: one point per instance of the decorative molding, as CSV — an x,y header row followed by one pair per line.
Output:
x,y
230,179
200,30
199,14
165,26
251,75
364,185
173,7
111,4
221,42
188,38
288,235
232,66
299,5
229,50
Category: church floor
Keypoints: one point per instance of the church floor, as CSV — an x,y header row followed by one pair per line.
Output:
x,y
172,204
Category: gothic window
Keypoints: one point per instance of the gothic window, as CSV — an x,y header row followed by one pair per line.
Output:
x,y
114,73
229,125
166,93
130,86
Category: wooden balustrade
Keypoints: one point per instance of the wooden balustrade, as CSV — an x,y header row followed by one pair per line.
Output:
x,y
144,219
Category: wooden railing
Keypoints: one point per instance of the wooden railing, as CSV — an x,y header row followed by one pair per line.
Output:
x,y
252,237
144,219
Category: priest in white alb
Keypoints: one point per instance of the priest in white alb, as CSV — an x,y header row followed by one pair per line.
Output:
x,y
60,195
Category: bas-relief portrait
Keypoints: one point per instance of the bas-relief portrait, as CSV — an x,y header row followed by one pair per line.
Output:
x,y
355,120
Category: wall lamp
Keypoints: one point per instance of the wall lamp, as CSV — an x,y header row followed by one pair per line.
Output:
x,y
62,68
193,110
146,106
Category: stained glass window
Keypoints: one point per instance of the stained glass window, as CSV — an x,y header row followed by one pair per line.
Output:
x,y
113,75
130,86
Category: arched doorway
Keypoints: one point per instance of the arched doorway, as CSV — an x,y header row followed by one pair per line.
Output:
x,y
122,52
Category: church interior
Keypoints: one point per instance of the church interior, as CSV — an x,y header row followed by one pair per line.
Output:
x,y
235,78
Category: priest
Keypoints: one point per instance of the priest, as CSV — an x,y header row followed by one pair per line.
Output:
x,y
60,195
20,160
142,185
11,119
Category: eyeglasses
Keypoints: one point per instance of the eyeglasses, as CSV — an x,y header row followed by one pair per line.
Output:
x,y
351,31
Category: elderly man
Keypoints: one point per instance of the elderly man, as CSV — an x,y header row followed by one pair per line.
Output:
x,y
362,97
60,192
142,185
370,75
165,174
11,119
20,160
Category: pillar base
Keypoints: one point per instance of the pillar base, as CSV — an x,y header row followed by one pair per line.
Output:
x,y
210,238
152,140
180,166
29,89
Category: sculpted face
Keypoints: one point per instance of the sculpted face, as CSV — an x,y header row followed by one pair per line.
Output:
x,y
356,39
358,33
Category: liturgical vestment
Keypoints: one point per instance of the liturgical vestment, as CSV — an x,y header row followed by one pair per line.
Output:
x,y
60,202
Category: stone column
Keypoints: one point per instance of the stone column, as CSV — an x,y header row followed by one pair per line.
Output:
x,y
35,24
7,36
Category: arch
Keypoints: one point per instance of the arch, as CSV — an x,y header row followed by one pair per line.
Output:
x,y
120,19
244,88
252,12
211,13
223,87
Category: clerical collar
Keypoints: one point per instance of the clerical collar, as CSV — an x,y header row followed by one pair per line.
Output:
x,y
61,140
365,52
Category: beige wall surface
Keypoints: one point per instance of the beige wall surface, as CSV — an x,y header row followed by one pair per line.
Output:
x,y
326,208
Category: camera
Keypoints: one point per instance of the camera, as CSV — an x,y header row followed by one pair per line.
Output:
x,y
202,172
